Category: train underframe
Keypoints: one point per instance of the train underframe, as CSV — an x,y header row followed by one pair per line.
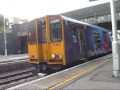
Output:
x,y
44,67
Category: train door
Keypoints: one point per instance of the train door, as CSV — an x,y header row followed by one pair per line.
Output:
x,y
42,39
33,42
105,41
56,43
82,43
105,37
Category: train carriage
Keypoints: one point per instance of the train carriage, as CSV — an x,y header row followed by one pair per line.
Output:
x,y
57,40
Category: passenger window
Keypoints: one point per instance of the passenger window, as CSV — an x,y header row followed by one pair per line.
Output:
x,y
56,30
97,37
74,37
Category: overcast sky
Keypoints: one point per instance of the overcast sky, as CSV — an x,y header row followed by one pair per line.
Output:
x,y
30,9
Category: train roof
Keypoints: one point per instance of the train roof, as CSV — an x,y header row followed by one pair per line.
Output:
x,y
80,22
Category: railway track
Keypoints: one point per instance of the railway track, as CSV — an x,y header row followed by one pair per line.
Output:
x,y
18,74
7,78
14,72
3,62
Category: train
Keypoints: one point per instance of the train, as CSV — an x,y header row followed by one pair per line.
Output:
x,y
56,41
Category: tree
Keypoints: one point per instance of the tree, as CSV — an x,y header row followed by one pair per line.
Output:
x,y
2,23
1,20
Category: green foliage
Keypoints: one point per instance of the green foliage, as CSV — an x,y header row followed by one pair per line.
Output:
x,y
1,29
1,20
2,23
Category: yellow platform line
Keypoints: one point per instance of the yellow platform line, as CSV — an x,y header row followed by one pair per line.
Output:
x,y
77,75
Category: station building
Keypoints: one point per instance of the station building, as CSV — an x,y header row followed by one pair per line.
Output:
x,y
97,13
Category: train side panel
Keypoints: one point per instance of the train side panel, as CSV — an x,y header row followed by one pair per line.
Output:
x,y
70,53
32,43
109,42
96,42
89,41
75,44
105,40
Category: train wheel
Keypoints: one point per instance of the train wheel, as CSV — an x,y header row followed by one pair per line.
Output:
x,y
36,70
43,67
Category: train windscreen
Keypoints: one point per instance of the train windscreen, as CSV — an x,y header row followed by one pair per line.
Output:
x,y
41,30
55,30
32,32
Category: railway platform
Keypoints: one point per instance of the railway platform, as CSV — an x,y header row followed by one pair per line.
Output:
x,y
95,74
11,58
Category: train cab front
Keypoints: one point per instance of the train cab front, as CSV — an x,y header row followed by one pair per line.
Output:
x,y
46,42
33,56
56,45
32,43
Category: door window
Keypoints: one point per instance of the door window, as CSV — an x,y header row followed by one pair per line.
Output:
x,y
32,32
56,30
41,30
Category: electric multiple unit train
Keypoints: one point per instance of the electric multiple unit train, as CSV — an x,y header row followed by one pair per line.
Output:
x,y
56,40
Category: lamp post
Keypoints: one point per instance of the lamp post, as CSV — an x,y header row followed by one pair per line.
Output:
x,y
115,44
5,41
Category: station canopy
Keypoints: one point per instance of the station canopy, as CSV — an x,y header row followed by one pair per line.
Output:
x,y
96,9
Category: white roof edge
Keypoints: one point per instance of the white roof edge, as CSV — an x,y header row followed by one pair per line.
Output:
x,y
90,4
98,2
80,22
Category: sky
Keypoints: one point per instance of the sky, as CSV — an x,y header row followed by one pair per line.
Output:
x,y
36,8
30,9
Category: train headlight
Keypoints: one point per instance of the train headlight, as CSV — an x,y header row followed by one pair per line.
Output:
x,y
53,55
56,56
60,56
32,56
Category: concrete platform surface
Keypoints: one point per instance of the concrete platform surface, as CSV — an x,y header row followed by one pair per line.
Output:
x,y
96,74
13,57
99,79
